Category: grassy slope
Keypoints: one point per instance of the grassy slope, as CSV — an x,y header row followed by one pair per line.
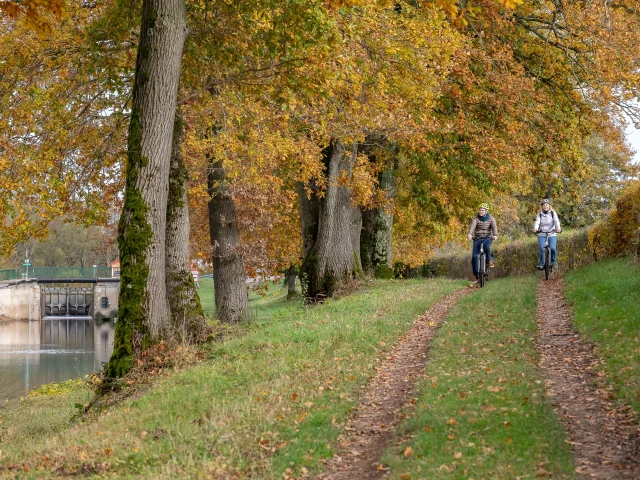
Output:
x,y
605,298
271,400
481,410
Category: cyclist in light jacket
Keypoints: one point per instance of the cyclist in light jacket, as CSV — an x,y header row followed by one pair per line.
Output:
x,y
483,230
546,223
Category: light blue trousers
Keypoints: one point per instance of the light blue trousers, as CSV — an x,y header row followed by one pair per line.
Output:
x,y
542,240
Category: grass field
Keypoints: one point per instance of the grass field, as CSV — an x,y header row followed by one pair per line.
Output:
x,y
273,302
605,298
272,399
481,410
270,403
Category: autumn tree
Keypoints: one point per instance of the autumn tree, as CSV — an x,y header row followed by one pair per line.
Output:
x,y
584,198
376,237
64,99
388,119
237,61
533,84
37,14
384,91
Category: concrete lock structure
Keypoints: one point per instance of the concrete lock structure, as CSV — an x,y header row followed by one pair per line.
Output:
x,y
36,299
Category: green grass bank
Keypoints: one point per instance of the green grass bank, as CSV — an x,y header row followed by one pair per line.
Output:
x,y
481,410
269,403
605,298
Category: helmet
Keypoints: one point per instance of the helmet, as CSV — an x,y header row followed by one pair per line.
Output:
x,y
545,201
485,206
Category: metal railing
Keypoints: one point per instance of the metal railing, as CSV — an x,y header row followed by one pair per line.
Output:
x,y
70,272
9,274
56,272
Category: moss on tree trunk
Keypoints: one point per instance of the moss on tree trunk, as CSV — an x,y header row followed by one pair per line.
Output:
x,y
377,223
232,299
134,237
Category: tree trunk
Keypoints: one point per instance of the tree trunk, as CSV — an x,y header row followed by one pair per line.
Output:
x,y
186,311
143,306
356,232
290,279
330,261
229,276
377,229
309,212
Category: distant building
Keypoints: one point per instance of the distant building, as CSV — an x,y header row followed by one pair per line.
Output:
x,y
115,268
195,273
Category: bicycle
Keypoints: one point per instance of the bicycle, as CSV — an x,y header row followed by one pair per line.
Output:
x,y
548,268
483,275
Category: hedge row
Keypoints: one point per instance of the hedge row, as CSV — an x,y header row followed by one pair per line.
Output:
x,y
618,234
515,258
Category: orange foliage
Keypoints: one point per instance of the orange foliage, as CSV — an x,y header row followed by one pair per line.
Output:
x,y
479,99
619,234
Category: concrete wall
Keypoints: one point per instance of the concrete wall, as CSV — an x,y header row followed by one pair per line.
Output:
x,y
20,300
109,290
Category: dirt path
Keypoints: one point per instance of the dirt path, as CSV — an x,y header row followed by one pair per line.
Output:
x,y
605,439
372,427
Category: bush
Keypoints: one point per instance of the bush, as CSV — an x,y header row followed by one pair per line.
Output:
x,y
383,271
619,233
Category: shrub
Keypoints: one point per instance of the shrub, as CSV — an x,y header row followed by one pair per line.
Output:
x,y
619,233
383,271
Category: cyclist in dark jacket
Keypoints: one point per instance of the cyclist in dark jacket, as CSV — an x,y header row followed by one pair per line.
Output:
x,y
483,230
546,223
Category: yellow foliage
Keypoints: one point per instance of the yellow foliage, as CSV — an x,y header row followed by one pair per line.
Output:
x,y
37,14
61,136
58,388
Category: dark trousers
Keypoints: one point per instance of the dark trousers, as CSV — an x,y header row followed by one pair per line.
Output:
x,y
486,242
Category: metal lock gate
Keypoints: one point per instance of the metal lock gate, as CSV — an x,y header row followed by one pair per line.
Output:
x,y
66,301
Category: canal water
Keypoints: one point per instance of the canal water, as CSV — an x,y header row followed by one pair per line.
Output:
x,y
37,352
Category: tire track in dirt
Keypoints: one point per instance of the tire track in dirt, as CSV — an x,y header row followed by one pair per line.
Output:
x,y
604,436
372,427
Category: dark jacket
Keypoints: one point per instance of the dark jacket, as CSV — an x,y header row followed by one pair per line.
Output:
x,y
483,228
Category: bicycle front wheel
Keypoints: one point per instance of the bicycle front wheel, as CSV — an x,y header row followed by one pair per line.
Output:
x,y
482,271
547,263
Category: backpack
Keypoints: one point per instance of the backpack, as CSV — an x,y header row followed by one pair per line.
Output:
x,y
554,217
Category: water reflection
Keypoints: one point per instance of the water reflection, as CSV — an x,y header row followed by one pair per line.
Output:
x,y
54,350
